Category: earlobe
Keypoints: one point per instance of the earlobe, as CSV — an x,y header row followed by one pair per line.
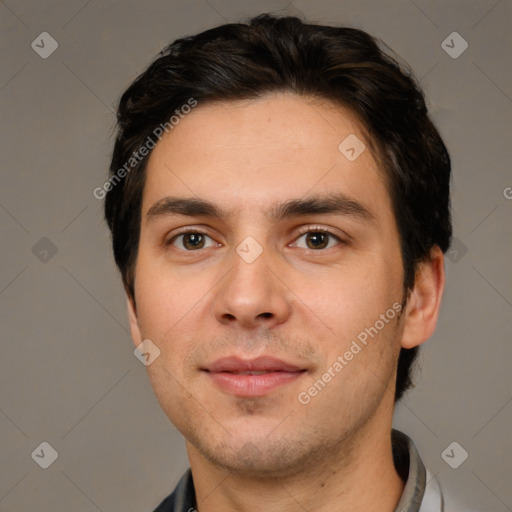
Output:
x,y
424,302
134,323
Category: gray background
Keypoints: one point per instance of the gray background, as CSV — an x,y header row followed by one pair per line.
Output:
x,y
68,375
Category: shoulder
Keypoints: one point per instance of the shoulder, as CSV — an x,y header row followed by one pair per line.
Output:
x,y
167,505
182,499
437,499
432,498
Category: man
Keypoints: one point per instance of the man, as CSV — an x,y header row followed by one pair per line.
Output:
x,y
279,207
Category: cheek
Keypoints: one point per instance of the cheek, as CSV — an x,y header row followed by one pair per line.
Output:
x,y
163,295
168,310
351,297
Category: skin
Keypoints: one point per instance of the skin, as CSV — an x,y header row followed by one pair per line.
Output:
x,y
302,304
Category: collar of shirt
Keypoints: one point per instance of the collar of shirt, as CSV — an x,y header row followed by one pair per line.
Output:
x,y
421,491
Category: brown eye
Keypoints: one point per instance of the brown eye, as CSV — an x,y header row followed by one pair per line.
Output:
x,y
189,241
316,240
193,241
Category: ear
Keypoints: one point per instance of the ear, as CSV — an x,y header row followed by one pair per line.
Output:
x,y
134,323
424,302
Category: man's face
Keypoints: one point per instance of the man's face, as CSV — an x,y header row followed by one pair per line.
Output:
x,y
297,306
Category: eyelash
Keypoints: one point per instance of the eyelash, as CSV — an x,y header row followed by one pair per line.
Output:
x,y
301,232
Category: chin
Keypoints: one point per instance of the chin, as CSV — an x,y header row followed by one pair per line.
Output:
x,y
252,462
253,454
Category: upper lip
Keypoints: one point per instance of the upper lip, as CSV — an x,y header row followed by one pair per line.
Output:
x,y
263,363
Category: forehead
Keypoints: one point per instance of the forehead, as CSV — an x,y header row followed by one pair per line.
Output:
x,y
245,154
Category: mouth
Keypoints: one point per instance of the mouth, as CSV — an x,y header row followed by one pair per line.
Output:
x,y
253,377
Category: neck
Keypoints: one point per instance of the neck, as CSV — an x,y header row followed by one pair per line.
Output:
x,y
360,476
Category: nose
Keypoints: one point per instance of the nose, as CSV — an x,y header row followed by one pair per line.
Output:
x,y
253,294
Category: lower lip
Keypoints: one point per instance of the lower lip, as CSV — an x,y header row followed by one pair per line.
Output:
x,y
252,385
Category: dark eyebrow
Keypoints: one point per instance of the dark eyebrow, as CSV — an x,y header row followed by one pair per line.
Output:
x,y
327,204
331,204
